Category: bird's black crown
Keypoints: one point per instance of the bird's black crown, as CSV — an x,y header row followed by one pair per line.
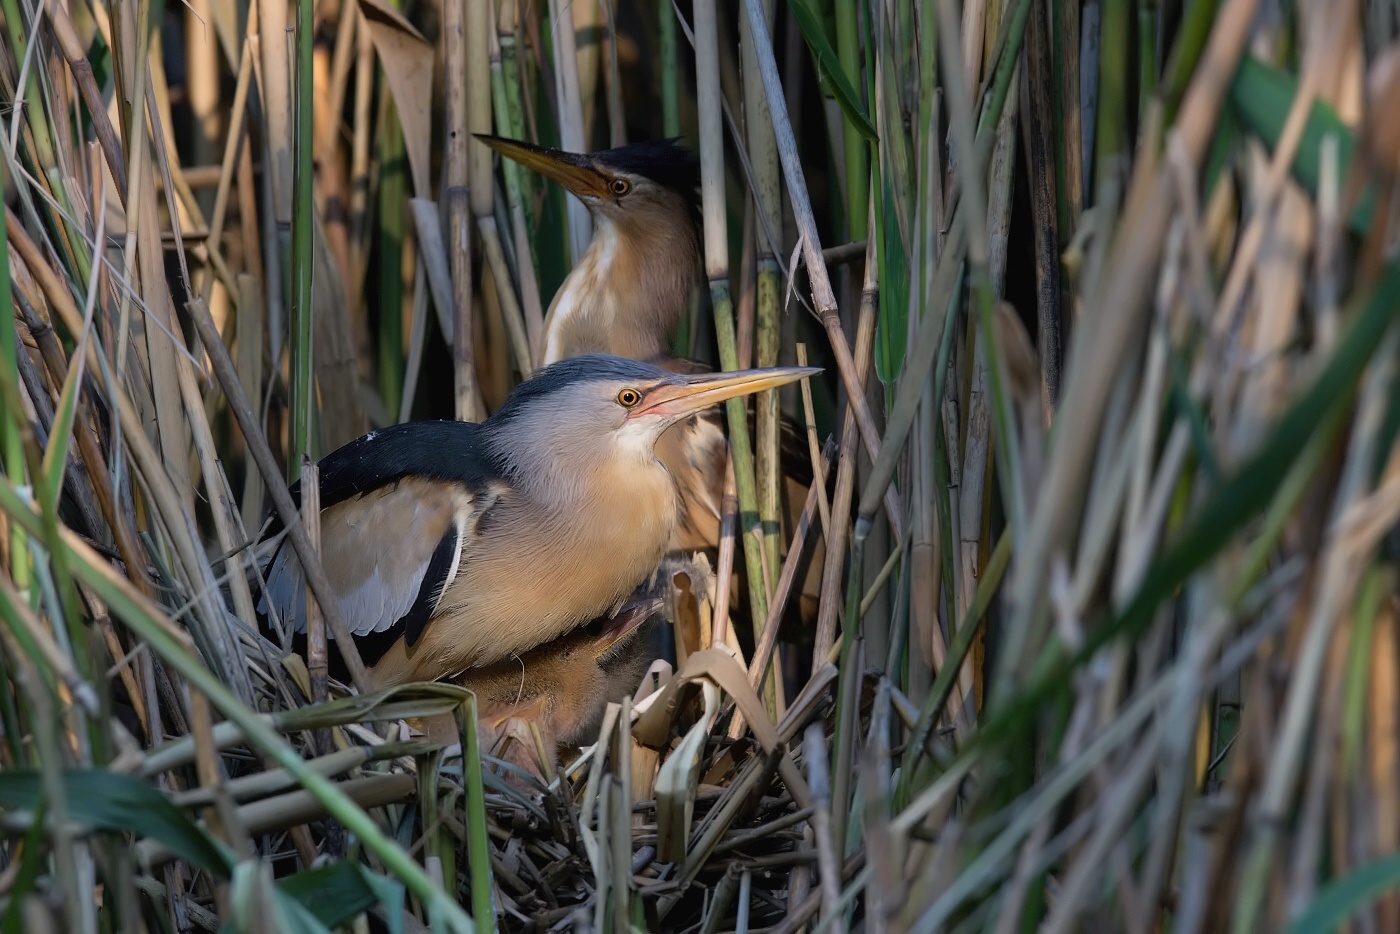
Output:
x,y
576,370
665,161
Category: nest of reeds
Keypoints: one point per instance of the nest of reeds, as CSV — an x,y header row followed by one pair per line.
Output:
x,y
1102,631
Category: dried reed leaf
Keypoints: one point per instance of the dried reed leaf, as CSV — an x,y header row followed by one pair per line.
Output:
x,y
407,59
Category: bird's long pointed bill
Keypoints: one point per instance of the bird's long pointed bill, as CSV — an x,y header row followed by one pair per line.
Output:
x,y
689,394
568,169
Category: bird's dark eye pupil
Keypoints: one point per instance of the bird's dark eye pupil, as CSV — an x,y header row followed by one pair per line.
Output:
x,y
628,398
620,186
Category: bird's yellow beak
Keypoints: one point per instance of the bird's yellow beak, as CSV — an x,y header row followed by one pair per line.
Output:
x,y
569,169
681,395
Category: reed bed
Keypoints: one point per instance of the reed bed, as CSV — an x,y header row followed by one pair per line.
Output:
x,y
1099,576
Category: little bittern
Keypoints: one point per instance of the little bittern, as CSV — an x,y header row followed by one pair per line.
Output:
x,y
628,292
453,545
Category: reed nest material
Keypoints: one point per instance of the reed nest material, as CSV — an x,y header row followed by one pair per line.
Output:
x,y
1081,616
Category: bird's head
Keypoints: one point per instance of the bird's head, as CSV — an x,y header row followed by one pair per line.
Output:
x,y
643,182
597,408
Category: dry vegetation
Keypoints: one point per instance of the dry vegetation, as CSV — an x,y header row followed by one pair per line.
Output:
x,y
1116,284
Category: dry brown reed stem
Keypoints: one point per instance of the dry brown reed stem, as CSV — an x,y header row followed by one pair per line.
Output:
x,y
274,780
224,512
808,907
814,447
143,243
76,56
248,330
316,655
711,130
300,807
728,539
1120,307
510,306
342,56
831,601
822,295
758,666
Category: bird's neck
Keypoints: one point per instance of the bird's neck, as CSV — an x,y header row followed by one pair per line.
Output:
x,y
555,465
628,293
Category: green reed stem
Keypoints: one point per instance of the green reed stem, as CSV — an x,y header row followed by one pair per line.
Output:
x,y
857,154
11,440
303,397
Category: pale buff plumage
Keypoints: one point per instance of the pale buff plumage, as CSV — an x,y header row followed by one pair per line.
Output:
x,y
571,558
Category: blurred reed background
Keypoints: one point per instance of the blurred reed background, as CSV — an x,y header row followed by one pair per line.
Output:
x,y
1115,284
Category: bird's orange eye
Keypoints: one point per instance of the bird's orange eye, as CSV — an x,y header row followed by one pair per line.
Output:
x,y
620,186
628,398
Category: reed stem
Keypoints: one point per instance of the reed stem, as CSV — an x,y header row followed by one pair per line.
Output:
x,y
303,394
857,159
11,438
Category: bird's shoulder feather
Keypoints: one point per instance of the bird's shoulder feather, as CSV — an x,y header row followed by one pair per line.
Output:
x,y
442,450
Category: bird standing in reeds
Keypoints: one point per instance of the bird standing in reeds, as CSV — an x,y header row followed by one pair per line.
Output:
x,y
455,545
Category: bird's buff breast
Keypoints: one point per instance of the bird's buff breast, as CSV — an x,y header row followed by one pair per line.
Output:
x,y
533,578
